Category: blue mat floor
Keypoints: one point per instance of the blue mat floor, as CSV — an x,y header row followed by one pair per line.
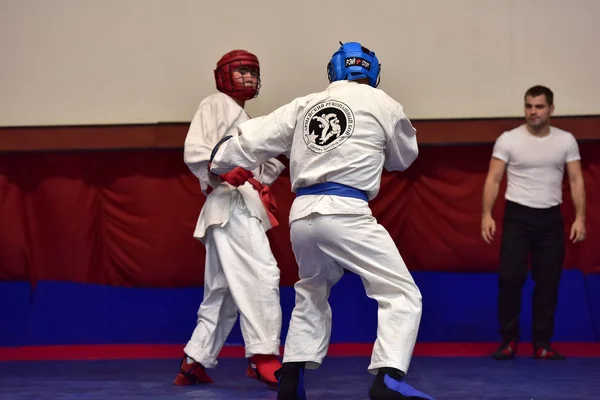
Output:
x,y
339,378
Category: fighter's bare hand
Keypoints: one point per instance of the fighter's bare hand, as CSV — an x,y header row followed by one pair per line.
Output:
x,y
488,228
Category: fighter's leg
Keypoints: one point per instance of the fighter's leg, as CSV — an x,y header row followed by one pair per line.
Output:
x,y
217,312
216,316
359,244
252,276
310,325
364,247
309,332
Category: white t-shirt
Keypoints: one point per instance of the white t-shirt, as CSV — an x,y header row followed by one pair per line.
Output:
x,y
535,165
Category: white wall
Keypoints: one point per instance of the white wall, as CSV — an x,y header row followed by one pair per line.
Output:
x,y
132,61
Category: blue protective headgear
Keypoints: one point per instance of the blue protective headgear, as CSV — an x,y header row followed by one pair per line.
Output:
x,y
353,61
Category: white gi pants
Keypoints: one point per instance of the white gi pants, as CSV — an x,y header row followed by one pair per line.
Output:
x,y
241,274
326,244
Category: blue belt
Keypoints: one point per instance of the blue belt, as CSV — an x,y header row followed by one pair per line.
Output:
x,y
336,189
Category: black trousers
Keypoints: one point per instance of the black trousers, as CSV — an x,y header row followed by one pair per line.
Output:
x,y
538,233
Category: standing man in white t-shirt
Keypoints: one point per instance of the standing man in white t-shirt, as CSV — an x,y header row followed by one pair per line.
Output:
x,y
534,156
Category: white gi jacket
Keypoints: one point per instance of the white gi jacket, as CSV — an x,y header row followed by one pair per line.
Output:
x,y
219,115
346,134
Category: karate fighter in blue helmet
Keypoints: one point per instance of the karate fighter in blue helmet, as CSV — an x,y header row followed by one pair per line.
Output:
x,y
338,141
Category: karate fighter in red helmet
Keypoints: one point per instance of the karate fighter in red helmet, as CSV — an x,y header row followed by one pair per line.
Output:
x,y
241,274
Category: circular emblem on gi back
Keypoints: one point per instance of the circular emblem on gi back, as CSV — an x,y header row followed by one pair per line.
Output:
x,y
327,125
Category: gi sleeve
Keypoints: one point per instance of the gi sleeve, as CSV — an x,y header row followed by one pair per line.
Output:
x,y
401,147
270,171
257,141
202,135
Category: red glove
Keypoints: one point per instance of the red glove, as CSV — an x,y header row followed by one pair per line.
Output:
x,y
266,197
237,176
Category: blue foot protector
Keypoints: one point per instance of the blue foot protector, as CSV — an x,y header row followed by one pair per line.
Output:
x,y
404,389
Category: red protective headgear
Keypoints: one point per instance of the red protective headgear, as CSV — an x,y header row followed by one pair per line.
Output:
x,y
224,79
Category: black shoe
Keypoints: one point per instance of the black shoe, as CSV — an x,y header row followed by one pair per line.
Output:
x,y
389,385
291,381
506,351
547,353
